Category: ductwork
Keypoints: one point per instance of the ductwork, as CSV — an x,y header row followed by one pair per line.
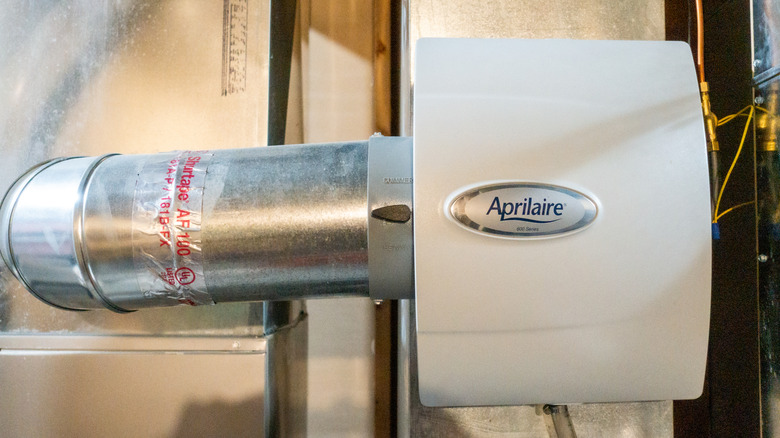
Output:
x,y
127,232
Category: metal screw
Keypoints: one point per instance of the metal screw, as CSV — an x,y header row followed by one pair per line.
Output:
x,y
758,100
762,258
236,345
756,63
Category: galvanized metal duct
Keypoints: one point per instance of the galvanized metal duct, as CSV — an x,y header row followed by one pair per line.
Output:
x,y
195,227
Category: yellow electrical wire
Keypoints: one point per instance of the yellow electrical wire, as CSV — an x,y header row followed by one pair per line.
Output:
x,y
732,209
733,163
731,117
727,119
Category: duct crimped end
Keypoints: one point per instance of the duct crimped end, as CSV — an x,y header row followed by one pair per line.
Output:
x,y
39,233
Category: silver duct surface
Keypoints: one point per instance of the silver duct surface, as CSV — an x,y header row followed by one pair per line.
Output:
x,y
85,78
274,223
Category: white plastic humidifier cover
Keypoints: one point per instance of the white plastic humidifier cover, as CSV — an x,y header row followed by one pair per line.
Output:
x,y
561,222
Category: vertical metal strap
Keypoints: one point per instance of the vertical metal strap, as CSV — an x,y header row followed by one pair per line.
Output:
x,y
285,381
405,307
286,331
283,14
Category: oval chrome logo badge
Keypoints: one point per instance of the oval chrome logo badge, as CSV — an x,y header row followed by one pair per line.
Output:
x,y
523,210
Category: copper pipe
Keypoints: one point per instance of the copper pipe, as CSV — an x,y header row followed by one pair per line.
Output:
x,y
700,40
